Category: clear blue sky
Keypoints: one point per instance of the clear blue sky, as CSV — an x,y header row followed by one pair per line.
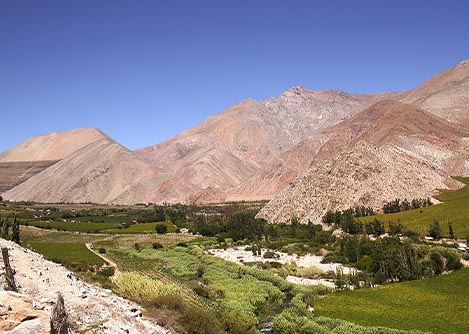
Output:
x,y
142,71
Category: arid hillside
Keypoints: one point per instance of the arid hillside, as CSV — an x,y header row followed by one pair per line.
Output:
x,y
364,175
52,146
412,131
101,172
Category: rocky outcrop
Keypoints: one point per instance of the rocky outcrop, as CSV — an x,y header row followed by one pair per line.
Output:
x,y
90,309
364,175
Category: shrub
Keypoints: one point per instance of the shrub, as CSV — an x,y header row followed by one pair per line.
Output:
x,y
102,250
107,271
157,245
161,228
199,321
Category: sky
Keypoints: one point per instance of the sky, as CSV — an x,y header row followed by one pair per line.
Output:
x,y
143,71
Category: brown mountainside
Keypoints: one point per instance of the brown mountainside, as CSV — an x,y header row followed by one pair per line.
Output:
x,y
445,95
363,175
228,148
101,172
52,146
423,136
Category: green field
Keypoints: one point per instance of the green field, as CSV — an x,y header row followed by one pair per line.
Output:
x,y
67,253
142,228
74,226
455,209
438,305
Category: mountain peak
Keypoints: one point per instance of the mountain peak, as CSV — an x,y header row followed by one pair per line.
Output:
x,y
52,146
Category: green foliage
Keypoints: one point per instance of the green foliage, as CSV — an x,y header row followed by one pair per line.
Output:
x,y
402,305
67,253
102,250
143,289
454,208
161,228
144,228
15,231
435,230
299,320
74,226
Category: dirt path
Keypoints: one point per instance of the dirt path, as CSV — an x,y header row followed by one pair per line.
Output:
x,y
105,258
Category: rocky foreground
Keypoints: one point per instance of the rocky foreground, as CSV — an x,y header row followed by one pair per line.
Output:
x,y
91,309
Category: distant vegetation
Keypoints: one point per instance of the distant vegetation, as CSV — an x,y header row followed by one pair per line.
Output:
x,y
454,209
190,291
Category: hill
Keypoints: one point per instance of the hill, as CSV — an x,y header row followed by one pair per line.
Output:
x,y
52,146
363,175
101,172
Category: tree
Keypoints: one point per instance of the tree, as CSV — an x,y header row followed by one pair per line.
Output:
x,y
451,231
395,228
435,230
5,229
15,231
161,228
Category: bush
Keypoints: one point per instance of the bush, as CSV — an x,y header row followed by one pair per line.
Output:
x,y
157,245
161,228
102,250
199,321
270,255
181,244
107,271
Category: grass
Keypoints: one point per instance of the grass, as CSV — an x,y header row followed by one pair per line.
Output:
x,y
67,253
74,226
438,305
143,228
455,209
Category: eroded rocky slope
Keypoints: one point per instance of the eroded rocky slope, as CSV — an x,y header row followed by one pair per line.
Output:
x,y
91,309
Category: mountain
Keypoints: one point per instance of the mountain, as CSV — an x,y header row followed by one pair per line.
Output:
x,y
412,131
251,150
205,162
363,175
52,146
445,95
101,172
37,153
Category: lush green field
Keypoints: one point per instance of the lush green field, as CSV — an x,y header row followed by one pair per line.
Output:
x,y
143,228
67,253
455,209
438,305
74,226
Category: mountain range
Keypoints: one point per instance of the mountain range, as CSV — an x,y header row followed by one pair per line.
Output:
x,y
307,151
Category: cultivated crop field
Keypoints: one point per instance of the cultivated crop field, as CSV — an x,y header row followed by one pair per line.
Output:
x,y
455,209
143,228
438,305
67,253
74,226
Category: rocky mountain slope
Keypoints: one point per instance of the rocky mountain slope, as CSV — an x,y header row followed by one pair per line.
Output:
x,y
101,172
412,131
225,150
445,95
364,175
91,309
